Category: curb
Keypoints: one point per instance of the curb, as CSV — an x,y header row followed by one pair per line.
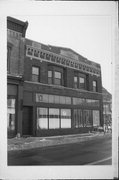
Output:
x,y
48,141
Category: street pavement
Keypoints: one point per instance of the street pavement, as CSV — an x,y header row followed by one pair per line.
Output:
x,y
35,142
88,150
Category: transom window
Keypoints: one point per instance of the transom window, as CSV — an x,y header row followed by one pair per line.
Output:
x,y
35,74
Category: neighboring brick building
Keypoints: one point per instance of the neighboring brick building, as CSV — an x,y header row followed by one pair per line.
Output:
x,y
62,91
15,69
107,107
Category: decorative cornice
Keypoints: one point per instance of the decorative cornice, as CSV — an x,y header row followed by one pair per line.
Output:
x,y
44,55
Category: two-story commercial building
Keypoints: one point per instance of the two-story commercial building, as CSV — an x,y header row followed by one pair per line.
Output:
x,y
62,91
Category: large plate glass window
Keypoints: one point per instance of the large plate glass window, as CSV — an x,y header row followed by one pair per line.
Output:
x,y
87,117
54,121
65,118
78,118
96,118
42,118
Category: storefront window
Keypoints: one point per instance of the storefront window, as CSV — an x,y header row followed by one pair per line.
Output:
x,y
96,118
87,116
65,118
54,121
42,118
78,118
11,114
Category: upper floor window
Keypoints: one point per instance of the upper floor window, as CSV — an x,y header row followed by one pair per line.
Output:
x,y
55,75
94,86
80,81
35,74
8,57
50,77
57,78
75,82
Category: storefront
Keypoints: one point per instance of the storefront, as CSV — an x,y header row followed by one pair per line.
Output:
x,y
14,109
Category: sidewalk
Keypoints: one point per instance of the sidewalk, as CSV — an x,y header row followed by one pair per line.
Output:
x,y
35,142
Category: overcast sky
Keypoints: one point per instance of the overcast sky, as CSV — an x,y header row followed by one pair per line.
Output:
x,y
89,34
85,27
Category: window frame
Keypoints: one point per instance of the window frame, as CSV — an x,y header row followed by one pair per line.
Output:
x,y
55,69
36,75
9,50
79,76
94,87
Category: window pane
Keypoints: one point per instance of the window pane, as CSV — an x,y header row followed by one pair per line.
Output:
x,y
49,73
62,100
75,82
68,100
94,86
87,114
35,78
57,75
57,78
65,118
75,79
81,80
42,118
57,99
78,118
96,118
81,83
11,114
49,80
57,81
51,99
35,70
54,122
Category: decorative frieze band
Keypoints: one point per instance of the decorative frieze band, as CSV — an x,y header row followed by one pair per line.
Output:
x,y
44,55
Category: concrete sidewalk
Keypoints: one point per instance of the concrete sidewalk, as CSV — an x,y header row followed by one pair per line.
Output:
x,y
35,142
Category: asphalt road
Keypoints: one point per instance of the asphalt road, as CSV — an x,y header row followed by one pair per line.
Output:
x,y
93,152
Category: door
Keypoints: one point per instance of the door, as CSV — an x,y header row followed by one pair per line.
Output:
x,y
27,123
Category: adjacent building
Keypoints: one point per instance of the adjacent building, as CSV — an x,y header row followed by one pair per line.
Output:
x,y
58,91
107,108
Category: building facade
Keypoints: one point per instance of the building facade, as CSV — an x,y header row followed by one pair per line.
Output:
x,y
61,91
107,108
15,66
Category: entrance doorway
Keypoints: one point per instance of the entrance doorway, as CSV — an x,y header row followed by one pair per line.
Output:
x,y
27,123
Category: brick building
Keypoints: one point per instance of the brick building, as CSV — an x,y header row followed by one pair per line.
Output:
x,y
61,91
107,108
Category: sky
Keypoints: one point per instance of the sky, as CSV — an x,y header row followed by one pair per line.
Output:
x,y
90,35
